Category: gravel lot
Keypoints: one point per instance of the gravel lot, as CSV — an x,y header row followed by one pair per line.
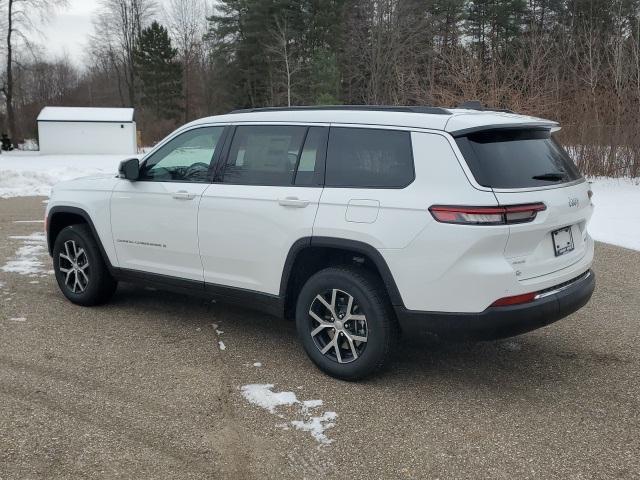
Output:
x,y
140,388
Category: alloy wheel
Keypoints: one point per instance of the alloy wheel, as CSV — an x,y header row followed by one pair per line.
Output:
x,y
74,264
338,326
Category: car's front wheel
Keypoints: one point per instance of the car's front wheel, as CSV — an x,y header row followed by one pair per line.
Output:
x,y
345,322
79,267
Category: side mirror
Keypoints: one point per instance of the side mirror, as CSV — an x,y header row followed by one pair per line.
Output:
x,y
129,169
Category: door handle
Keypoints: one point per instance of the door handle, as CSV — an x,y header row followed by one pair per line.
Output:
x,y
183,195
294,202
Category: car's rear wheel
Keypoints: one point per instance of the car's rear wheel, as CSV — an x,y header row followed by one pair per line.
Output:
x,y
80,270
345,322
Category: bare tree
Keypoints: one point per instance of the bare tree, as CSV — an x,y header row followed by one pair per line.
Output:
x,y
589,58
118,26
186,21
19,15
105,57
282,49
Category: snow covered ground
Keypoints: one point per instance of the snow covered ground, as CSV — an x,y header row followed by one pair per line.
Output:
x,y
29,258
616,219
28,173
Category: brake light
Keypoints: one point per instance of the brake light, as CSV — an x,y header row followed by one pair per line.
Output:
x,y
506,215
515,300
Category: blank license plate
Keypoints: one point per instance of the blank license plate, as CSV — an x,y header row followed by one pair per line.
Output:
x,y
562,241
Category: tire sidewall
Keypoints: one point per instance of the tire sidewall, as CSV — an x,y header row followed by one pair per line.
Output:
x,y
377,329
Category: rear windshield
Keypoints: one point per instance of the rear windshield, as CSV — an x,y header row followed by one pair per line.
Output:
x,y
517,158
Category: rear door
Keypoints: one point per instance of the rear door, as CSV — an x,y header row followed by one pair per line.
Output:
x,y
264,200
525,166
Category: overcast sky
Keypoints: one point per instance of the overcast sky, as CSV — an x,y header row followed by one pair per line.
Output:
x,y
69,29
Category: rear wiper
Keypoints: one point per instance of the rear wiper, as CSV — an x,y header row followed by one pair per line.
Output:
x,y
551,176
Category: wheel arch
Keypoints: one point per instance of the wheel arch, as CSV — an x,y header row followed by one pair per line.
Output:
x,y
63,216
310,254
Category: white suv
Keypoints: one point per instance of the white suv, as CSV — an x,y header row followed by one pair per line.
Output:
x,y
359,222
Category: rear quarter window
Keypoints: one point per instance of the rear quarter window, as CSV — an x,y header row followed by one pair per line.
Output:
x,y
369,158
517,158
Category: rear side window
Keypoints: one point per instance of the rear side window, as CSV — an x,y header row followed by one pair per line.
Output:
x,y
264,155
369,158
517,158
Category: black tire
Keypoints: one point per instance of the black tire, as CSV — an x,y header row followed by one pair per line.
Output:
x,y
370,300
95,284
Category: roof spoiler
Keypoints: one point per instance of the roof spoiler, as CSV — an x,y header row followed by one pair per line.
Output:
x,y
542,125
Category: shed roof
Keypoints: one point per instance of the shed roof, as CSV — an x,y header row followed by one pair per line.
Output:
x,y
86,114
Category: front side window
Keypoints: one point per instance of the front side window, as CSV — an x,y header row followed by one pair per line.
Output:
x,y
369,158
264,155
186,158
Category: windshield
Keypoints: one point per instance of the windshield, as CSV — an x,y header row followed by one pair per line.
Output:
x,y
517,158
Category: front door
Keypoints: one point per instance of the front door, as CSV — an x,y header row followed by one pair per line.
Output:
x,y
154,220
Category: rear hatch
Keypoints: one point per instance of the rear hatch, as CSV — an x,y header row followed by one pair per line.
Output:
x,y
528,166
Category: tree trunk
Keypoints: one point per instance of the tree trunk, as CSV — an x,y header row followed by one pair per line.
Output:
x,y
187,65
132,81
11,121
286,61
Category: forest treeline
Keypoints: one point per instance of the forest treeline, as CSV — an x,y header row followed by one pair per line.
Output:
x,y
576,61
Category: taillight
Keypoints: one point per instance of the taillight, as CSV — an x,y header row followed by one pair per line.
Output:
x,y
515,300
506,215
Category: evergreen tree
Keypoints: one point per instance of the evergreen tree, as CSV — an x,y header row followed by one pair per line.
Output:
x,y
270,50
325,78
159,71
494,24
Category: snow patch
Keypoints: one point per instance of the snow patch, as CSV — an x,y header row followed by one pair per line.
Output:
x,y
256,364
35,237
222,345
28,144
18,319
28,258
317,425
263,396
28,221
307,404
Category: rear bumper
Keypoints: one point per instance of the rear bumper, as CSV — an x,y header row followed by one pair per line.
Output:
x,y
500,322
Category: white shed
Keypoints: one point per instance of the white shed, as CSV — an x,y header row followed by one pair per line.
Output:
x,y
78,130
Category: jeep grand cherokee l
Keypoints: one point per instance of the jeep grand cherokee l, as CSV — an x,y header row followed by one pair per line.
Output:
x,y
359,222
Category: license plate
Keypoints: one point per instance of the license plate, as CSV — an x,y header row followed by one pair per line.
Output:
x,y
562,241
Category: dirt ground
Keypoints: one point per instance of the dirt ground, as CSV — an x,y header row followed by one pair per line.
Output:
x,y
141,388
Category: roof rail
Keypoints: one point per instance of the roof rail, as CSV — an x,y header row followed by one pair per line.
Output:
x,y
476,105
387,108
